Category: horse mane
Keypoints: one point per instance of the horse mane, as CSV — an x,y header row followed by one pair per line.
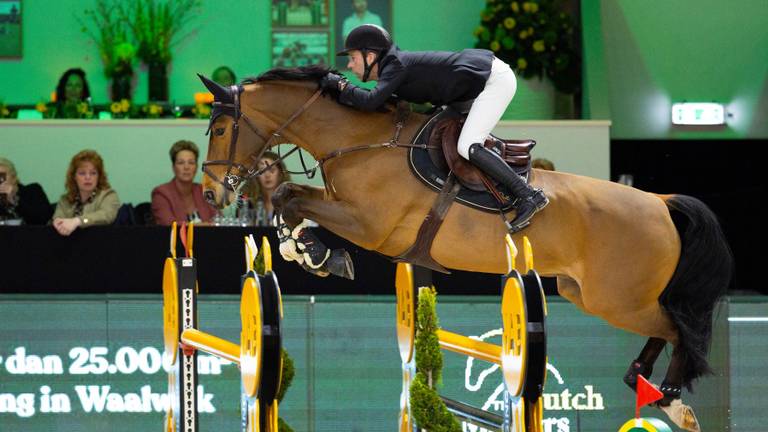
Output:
x,y
301,73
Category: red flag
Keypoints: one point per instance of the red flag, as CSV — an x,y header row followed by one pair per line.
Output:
x,y
646,393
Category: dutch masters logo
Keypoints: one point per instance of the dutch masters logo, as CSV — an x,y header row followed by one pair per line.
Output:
x,y
563,398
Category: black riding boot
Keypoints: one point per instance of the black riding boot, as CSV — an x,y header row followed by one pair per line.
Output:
x,y
531,200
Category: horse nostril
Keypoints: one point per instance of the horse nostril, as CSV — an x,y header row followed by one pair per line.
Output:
x,y
210,197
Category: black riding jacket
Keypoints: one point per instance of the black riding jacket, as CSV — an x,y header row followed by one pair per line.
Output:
x,y
438,77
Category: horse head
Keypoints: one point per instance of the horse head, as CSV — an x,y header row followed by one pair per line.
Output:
x,y
250,118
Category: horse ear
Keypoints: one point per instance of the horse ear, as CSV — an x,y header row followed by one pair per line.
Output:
x,y
220,93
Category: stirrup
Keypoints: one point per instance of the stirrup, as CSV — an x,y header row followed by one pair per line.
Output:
x,y
516,228
523,219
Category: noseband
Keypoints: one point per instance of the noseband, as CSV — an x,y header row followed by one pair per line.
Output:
x,y
238,174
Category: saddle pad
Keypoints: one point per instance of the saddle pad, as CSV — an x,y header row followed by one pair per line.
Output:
x,y
429,169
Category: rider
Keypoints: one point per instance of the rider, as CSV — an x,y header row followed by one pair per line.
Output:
x,y
475,76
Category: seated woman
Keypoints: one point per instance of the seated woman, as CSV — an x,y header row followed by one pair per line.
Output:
x,y
19,203
261,191
71,90
181,199
89,199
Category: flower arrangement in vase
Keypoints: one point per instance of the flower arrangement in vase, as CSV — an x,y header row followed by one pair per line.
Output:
x,y
109,32
156,26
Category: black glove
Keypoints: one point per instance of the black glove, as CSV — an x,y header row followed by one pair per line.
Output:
x,y
333,83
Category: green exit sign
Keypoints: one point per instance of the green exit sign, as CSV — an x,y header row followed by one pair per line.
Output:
x,y
698,114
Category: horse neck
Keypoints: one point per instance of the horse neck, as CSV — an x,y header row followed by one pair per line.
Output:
x,y
325,126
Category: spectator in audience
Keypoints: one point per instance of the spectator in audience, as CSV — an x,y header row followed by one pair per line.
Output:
x,y
544,164
224,76
71,91
19,203
181,199
260,192
361,15
89,199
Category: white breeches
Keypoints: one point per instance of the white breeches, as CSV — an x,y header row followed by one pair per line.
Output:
x,y
488,107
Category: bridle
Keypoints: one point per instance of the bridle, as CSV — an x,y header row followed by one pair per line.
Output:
x,y
234,180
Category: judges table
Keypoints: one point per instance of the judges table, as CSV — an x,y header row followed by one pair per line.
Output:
x,y
129,259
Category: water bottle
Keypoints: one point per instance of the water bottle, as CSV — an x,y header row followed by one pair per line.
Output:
x,y
282,13
260,214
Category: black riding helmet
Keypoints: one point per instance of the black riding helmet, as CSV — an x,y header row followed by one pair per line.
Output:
x,y
367,37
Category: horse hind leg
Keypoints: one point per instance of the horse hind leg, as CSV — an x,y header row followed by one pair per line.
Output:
x,y
653,322
643,364
682,415
672,385
649,321
673,380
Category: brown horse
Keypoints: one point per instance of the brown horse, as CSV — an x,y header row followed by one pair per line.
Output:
x,y
649,264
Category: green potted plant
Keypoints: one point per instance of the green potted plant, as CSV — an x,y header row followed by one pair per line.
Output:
x,y
110,34
537,38
427,408
156,26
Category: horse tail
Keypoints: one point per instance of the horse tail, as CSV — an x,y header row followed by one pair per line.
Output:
x,y
701,278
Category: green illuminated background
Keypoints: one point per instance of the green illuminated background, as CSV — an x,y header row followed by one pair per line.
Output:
x,y
639,56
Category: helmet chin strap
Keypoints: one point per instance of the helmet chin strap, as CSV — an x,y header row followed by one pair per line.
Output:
x,y
368,67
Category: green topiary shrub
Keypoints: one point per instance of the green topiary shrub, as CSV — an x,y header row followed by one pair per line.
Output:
x,y
289,371
427,409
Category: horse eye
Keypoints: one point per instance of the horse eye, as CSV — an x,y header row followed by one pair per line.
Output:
x,y
219,131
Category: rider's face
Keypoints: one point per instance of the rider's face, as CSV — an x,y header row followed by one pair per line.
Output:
x,y
357,65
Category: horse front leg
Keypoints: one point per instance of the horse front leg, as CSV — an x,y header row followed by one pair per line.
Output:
x,y
287,191
295,204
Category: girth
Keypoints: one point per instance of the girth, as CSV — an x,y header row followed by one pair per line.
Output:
x,y
441,167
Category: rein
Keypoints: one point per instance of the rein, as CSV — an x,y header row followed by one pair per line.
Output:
x,y
232,180
390,144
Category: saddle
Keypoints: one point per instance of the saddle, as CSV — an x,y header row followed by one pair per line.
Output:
x,y
433,164
434,159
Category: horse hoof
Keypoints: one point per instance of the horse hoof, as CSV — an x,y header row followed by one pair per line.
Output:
x,y
340,264
682,415
637,368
